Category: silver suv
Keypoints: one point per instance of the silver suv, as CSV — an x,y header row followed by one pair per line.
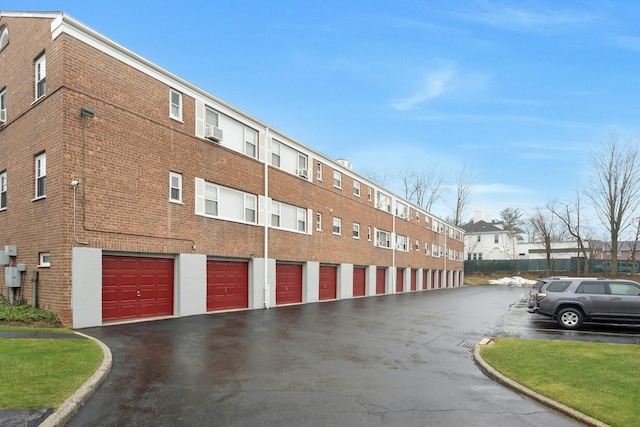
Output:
x,y
574,300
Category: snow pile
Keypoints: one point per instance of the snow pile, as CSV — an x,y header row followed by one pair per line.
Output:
x,y
513,281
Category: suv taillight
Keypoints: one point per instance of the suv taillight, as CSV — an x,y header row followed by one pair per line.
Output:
x,y
540,296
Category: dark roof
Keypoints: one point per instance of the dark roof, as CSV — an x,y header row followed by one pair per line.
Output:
x,y
482,227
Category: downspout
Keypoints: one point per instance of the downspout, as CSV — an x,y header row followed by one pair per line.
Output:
x,y
394,276
267,290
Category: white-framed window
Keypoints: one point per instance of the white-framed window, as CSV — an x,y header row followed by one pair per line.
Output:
x,y
435,251
250,142
318,221
496,238
369,194
175,104
3,191
383,239
301,220
41,76
337,179
210,199
417,245
356,230
44,259
211,120
478,237
337,225
401,243
402,210
175,187
3,106
417,216
426,221
275,153
426,248
41,175
356,188
384,201
368,234
250,208
4,36
275,213
319,171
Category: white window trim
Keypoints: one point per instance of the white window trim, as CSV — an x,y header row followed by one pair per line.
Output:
x,y
42,62
178,176
42,256
3,189
319,171
356,230
179,105
318,221
337,179
356,188
337,221
368,234
387,234
42,158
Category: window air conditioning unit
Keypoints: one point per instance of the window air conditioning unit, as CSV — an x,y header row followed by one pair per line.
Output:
x,y
3,116
379,204
213,133
426,252
304,173
404,216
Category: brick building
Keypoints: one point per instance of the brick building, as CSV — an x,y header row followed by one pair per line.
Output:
x,y
135,194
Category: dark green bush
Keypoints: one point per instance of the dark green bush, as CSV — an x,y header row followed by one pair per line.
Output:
x,y
24,313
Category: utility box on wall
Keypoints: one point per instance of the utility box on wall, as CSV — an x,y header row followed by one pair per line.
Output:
x,y
12,277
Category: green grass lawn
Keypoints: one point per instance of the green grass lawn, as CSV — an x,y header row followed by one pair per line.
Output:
x,y
39,373
599,380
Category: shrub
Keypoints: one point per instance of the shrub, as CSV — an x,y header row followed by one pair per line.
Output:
x,y
24,313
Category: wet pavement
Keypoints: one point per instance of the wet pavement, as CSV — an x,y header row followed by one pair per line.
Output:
x,y
402,360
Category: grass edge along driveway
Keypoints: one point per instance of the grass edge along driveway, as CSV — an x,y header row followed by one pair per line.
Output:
x,y
598,379
43,373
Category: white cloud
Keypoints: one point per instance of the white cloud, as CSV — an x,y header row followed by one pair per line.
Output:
x,y
434,85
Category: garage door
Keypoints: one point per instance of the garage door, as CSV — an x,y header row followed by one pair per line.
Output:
x,y
136,287
434,279
359,280
414,280
227,285
288,283
425,279
380,281
328,282
399,280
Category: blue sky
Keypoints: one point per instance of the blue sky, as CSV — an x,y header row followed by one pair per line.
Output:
x,y
519,91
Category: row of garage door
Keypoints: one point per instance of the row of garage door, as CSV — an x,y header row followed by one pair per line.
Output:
x,y
140,287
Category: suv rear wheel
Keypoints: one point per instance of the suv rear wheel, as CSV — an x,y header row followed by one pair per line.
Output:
x,y
570,318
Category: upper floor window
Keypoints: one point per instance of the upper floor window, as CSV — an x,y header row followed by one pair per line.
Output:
x,y
369,234
4,36
426,248
3,106
3,190
478,237
356,188
496,238
337,225
302,165
384,202
275,153
318,221
319,171
383,239
41,76
402,210
337,179
225,203
175,187
369,195
41,175
402,243
250,142
356,230
288,217
175,110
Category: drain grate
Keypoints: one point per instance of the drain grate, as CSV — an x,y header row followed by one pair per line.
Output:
x,y
467,344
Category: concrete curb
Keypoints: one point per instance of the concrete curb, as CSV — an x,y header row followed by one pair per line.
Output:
x,y
497,376
64,413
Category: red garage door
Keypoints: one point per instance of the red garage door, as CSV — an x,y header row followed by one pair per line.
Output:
x,y
433,279
359,281
414,280
425,279
399,280
380,281
227,285
288,283
136,287
328,282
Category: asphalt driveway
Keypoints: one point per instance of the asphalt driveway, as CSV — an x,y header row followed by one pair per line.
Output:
x,y
400,360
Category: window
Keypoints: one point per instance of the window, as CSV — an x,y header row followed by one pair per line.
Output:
x,y
211,121
417,216
44,259
417,245
401,243
368,234
356,188
275,214
319,171
384,202
250,208
275,153
3,191
496,238
426,248
624,289
337,226
369,193
591,288
302,220
41,175
4,36
478,237
175,108
302,166
250,142
402,210
175,187
318,221
3,106
210,199
356,230
337,179
558,286
383,239
41,76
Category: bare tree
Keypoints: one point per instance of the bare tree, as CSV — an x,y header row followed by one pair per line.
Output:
x,y
546,231
377,176
634,247
465,182
569,214
615,189
419,185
